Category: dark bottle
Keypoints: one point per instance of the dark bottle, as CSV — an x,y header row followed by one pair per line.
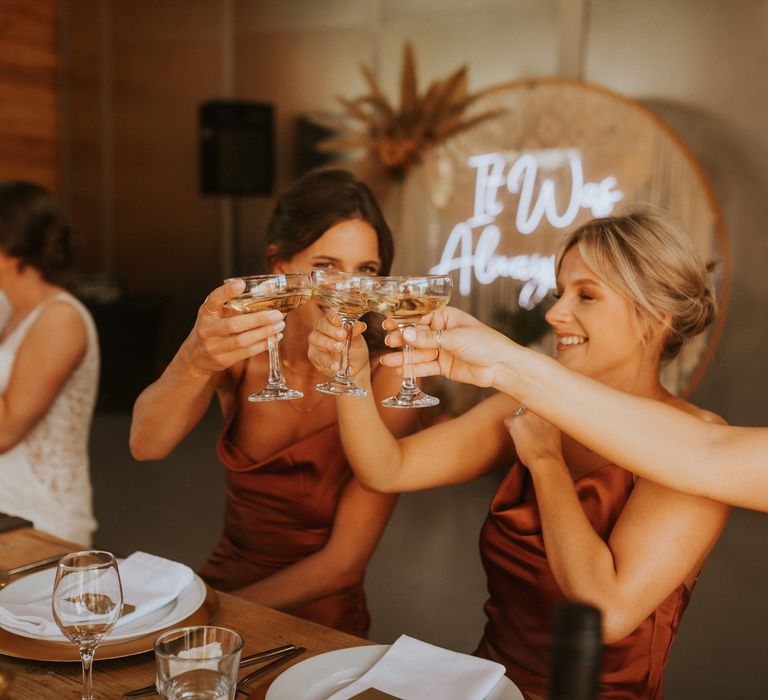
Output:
x,y
577,641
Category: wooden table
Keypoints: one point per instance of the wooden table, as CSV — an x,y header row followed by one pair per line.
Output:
x,y
262,628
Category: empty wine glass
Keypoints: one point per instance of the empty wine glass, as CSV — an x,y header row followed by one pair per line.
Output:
x,y
406,300
87,602
284,292
341,291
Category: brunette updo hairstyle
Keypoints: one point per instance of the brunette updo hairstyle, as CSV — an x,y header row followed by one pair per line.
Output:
x,y
645,258
33,229
317,201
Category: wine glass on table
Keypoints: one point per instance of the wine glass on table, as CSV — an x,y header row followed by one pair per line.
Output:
x,y
406,300
284,292
342,292
87,602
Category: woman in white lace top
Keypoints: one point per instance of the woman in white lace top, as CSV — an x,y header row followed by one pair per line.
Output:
x,y
49,366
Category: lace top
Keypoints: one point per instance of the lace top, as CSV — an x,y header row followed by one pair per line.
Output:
x,y
45,477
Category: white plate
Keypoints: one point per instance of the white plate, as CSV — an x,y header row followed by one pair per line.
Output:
x,y
319,677
40,584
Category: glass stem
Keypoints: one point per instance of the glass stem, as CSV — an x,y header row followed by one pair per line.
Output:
x,y
343,373
275,375
409,385
87,658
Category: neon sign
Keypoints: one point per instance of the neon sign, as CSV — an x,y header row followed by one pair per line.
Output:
x,y
535,271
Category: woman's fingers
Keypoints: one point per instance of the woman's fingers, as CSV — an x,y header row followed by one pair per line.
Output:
x,y
230,358
424,364
329,343
423,337
418,337
221,295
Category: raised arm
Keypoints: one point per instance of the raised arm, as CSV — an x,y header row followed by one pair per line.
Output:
x,y
454,451
655,441
169,408
40,370
651,439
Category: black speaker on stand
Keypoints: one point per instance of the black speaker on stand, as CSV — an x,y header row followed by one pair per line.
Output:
x,y
237,159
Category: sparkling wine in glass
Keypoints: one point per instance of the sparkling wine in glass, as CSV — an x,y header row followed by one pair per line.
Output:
x,y
342,292
284,292
87,602
406,300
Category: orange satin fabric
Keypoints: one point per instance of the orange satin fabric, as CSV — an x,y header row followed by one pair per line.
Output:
x,y
279,511
523,592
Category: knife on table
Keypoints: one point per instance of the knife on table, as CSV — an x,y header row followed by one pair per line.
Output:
x,y
242,684
276,653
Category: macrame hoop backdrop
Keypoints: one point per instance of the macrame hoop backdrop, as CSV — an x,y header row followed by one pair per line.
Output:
x,y
614,137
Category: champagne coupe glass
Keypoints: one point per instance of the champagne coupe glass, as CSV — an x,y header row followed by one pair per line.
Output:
x,y
87,602
342,292
406,300
284,292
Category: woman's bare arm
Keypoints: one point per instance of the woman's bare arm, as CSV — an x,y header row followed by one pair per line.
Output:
x,y
651,439
41,370
170,407
655,441
659,541
360,520
454,451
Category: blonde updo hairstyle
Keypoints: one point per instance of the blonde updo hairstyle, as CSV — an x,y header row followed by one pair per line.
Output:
x,y
645,258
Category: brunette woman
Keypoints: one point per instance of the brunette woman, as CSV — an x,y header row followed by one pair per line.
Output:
x,y
299,528
49,369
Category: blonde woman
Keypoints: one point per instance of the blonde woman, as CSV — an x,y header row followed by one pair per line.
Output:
x,y
567,523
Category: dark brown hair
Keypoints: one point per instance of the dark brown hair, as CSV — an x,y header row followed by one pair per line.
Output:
x,y
317,201
33,229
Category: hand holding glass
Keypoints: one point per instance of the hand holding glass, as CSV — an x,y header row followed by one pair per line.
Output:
x,y
406,300
284,292
198,663
87,602
342,292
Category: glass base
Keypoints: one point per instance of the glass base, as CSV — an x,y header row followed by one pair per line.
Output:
x,y
341,388
411,400
276,392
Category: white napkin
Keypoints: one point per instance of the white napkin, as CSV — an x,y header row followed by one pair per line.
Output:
x,y
148,581
414,670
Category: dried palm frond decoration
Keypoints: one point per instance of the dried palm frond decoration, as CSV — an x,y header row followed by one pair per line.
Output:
x,y
396,140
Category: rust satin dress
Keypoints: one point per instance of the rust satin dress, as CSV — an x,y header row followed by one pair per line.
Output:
x,y
279,511
523,591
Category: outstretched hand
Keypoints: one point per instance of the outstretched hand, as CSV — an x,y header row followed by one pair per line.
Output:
x,y
451,343
221,336
326,343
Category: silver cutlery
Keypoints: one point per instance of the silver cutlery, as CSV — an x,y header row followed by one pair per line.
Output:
x,y
7,575
264,670
278,653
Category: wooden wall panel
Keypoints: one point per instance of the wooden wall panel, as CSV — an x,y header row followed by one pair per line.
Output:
x,y
29,120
